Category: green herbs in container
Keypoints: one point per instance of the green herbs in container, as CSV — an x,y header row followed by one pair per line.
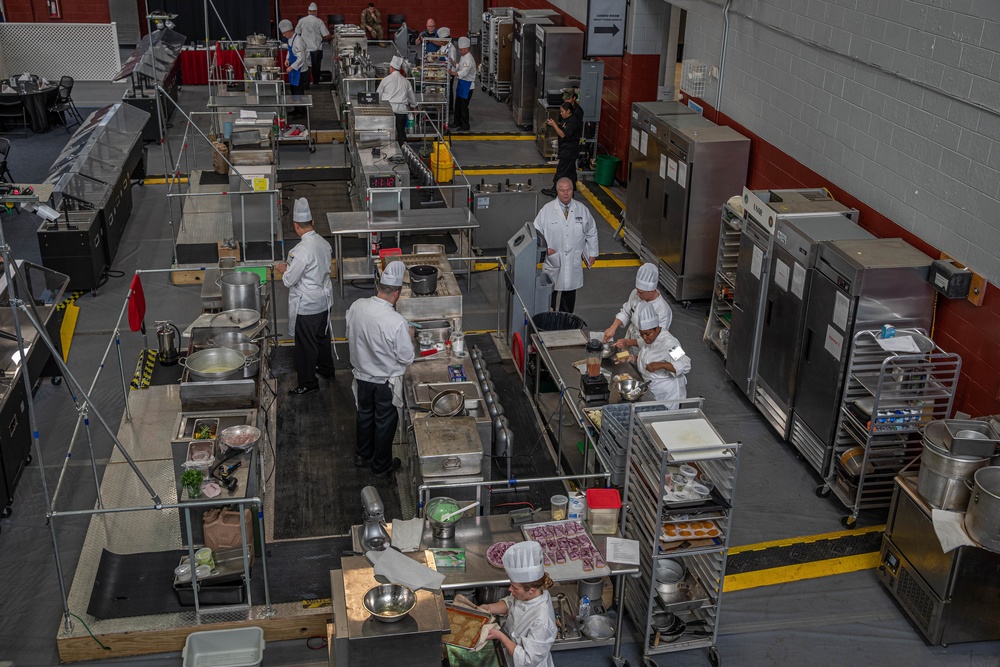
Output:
x,y
191,481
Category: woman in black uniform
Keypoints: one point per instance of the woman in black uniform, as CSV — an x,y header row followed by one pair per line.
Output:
x,y
569,128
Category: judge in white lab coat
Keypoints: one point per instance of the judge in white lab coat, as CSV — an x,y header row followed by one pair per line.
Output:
x,y
661,360
646,291
381,344
398,92
529,629
314,31
571,235
310,296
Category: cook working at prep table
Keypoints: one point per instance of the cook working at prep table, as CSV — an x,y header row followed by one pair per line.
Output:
x,y
661,360
646,291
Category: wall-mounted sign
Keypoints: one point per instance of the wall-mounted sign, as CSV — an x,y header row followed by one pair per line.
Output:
x,y
606,27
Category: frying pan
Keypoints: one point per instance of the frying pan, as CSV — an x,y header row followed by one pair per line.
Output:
x,y
669,627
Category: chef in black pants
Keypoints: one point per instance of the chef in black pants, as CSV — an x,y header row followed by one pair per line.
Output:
x,y
569,128
310,296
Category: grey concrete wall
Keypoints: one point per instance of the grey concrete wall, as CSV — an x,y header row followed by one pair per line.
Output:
x,y
896,101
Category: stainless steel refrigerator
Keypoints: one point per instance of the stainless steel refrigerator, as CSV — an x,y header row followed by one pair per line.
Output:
x,y
793,260
644,185
522,87
558,54
857,285
763,209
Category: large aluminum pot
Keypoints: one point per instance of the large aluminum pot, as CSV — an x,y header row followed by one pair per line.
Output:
x,y
942,476
251,353
215,363
240,289
423,279
256,40
982,517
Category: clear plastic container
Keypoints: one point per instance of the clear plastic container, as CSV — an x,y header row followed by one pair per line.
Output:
x,y
559,505
603,506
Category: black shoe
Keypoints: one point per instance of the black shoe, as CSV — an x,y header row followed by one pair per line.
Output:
x,y
328,376
393,467
302,390
360,462
466,129
549,192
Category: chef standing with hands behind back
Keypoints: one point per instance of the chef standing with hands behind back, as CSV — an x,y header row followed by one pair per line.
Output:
x,y
571,234
306,274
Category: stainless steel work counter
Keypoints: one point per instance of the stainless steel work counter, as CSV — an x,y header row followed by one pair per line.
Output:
x,y
559,363
478,534
441,220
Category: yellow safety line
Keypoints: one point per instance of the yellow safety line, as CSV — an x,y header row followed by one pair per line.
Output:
x,y
163,181
601,208
760,546
493,137
67,328
612,195
789,573
516,170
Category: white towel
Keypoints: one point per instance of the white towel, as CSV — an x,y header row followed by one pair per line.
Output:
x,y
406,534
403,570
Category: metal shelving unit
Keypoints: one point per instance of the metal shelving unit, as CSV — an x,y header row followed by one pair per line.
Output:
x,y
649,514
888,398
721,308
495,63
434,83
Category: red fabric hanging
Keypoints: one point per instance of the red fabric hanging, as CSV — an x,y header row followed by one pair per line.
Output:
x,y
136,305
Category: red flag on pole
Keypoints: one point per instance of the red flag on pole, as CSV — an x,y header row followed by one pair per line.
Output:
x,y
136,305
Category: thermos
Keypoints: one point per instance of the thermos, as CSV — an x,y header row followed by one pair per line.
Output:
x,y
167,342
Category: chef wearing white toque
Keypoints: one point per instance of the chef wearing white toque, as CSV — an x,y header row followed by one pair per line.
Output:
x,y
397,91
465,72
646,291
530,628
381,344
296,60
310,297
661,360
314,32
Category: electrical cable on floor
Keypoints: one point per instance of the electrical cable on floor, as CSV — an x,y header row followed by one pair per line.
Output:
x,y
314,646
99,643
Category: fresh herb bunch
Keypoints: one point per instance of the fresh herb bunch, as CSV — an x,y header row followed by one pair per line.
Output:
x,y
192,478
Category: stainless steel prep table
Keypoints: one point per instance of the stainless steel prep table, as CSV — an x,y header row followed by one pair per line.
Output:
x,y
242,101
440,220
559,362
476,535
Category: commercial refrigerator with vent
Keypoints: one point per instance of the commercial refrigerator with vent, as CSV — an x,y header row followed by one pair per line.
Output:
x,y
857,285
522,88
763,211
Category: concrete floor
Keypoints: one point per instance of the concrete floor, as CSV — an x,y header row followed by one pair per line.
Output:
x,y
847,619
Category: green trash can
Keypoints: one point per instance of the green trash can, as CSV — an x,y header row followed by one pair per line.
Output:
x,y
604,169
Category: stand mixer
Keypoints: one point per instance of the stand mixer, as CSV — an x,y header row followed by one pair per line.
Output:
x,y
374,536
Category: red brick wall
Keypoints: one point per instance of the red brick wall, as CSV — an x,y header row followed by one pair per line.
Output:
x,y
73,11
960,327
451,13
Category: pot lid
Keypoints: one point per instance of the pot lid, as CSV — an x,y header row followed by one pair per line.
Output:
x,y
243,318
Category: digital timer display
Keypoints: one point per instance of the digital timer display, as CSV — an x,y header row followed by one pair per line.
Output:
x,y
382,181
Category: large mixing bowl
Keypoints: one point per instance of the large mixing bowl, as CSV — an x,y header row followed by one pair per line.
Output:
x,y
631,390
390,602
438,508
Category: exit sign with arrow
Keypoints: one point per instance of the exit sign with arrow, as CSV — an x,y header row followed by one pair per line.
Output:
x,y
606,27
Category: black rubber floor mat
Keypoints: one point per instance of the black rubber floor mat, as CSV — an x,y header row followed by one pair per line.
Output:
x,y
804,552
213,178
317,488
531,456
141,584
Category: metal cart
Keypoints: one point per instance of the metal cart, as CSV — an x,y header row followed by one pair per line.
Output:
x,y
888,398
659,441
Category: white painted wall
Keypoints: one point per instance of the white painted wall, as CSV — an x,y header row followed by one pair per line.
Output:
x,y
896,101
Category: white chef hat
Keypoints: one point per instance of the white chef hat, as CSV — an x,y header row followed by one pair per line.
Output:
x,y
284,25
302,212
647,277
444,32
396,63
464,43
313,7
393,274
646,317
523,562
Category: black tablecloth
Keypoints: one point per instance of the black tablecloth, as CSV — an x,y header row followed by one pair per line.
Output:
x,y
37,104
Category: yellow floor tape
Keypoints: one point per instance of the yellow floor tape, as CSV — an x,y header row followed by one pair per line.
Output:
x,y
789,573
760,546
612,195
493,137
600,207
67,328
162,181
516,170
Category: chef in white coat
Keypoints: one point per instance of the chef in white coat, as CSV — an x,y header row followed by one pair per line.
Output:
x,y
397,91
381,344
661,360
646,291
296,62
306,274
571,235
314,32
529,629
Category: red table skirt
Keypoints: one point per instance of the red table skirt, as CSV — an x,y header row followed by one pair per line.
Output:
x,y
194,69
